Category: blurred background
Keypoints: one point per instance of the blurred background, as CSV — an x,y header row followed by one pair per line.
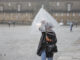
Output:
x,y
18,43
24,11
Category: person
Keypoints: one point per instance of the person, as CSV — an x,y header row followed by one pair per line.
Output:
x,y
14,23
48,38
71,26
76,24
42,27
9,23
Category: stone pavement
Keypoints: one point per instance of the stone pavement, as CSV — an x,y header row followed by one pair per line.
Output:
x,y
69,49
16,43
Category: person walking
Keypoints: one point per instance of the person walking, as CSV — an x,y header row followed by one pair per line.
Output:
x,y
71,26
47,45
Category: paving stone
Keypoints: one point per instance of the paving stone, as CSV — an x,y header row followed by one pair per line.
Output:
x,y
65,58
16,43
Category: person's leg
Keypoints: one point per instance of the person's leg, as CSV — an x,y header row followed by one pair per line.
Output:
x,y
43,55
70,29
51,58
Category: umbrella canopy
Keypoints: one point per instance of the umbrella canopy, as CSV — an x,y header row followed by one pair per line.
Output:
x,y
43,15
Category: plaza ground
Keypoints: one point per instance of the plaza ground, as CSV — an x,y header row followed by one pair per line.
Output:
x,y
16,43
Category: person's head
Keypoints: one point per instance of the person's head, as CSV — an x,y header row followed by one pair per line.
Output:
x,y
48,26
42,27
43,22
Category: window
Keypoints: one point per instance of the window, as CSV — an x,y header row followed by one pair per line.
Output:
x,y
17,16
56,14
67,14
1,8
61,14
73,14
29,4
9,4
69,7
79,14
58,3
61,20
19,7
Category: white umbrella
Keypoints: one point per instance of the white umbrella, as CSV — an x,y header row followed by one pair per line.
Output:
x,y
43,15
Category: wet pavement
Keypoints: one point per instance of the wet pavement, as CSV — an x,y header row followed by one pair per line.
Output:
x,y
16,43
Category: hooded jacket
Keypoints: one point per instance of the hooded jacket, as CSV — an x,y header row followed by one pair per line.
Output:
x,y
42,44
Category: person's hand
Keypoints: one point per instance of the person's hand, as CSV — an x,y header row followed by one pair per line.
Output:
x,y
47,39
42,29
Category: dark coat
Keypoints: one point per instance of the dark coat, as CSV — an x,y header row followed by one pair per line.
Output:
x,y
42,44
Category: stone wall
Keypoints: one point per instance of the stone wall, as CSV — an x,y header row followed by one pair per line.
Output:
x,y
67,17
23,18
28,17
24,12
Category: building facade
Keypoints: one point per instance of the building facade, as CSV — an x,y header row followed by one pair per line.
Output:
x,y
24,11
